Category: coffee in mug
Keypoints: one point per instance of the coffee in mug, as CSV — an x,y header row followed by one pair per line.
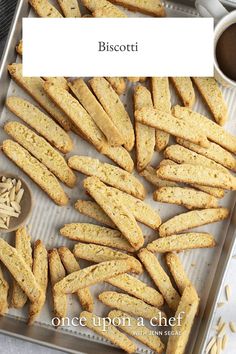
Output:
x,y
226,52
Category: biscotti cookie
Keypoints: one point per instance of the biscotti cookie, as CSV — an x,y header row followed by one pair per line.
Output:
x,y
213,97
23,247
133,328
71,265
142,212
161,101
198,174
70,8
96,234
107,11
183,155
137,288
36,171
150,174
216,192
133,79
34,87
160,278
94,211
60,81
116,210
118,84
42,150
170,124
92,275
145,136
20,271
44,8
182,242
40,271
212,130
214,152
4,287
184,89
151,7
192,219
185,196
57,273
177,271
111,333
93,107
103,5
86,125
19,47
119,155
114,108
40,122
98,254
131,305
109,174
188,306
77,114
161,93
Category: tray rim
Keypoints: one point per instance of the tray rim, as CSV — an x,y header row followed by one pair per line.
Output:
x,y
60,340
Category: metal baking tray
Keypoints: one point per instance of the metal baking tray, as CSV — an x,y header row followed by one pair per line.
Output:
x,y
67,340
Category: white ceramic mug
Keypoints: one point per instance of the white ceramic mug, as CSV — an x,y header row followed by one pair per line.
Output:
x,y
223,19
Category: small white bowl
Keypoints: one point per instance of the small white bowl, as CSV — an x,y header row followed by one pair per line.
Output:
x,y
26,205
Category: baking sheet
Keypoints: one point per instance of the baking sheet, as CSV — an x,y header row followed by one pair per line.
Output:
x,y
47,218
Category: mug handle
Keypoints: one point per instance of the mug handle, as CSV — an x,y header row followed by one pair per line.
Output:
x,y
211,8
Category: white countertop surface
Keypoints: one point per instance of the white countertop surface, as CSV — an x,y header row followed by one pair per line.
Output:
x,y
10,345
228,310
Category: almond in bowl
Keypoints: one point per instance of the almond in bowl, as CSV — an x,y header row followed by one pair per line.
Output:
x,y
15,202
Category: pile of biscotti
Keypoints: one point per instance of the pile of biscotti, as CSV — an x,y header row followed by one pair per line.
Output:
x,y
194,173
